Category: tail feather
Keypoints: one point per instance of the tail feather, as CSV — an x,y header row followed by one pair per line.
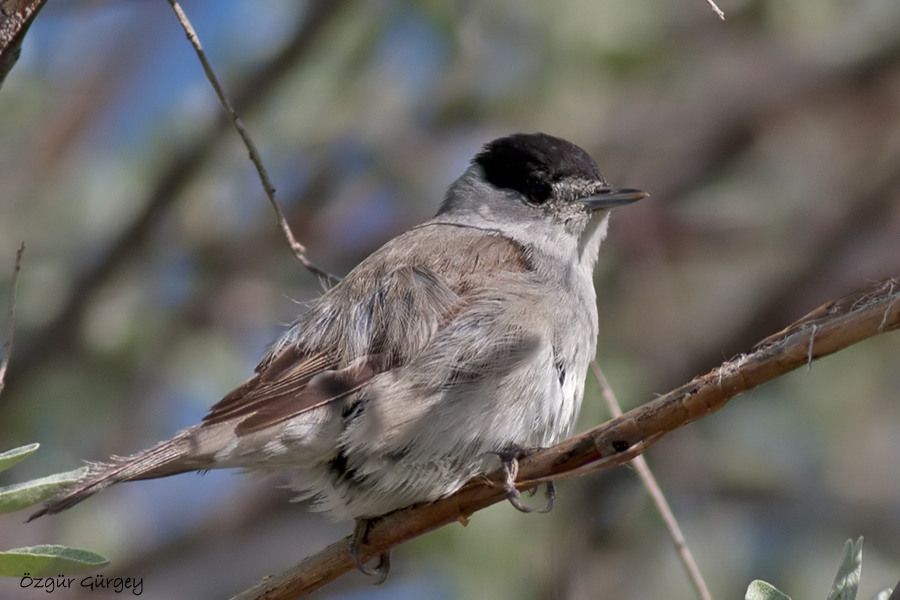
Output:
x,y
166,458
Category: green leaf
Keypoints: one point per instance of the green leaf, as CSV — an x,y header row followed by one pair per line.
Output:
x,y
19,495
39,561
761,590
11,457
846,582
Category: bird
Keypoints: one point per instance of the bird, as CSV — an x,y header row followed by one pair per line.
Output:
x,y
451,351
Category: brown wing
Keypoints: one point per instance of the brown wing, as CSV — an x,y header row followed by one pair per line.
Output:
x,y
293,381
322,388
285,373
289,384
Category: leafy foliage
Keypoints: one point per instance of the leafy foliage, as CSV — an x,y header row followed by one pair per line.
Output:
x,y
846,581
11,457
38,561
762,590
49,559
28,493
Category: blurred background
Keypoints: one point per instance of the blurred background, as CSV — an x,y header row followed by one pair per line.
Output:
x,y
155,275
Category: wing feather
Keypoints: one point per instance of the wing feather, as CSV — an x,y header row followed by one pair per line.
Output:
x,y
409,294
285,373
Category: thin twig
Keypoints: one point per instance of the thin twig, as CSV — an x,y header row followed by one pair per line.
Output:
x,y
716,9
297,248
656,493
636,429
11,317
251,91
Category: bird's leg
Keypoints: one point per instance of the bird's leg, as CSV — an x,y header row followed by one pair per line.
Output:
x,y
509,459
360,535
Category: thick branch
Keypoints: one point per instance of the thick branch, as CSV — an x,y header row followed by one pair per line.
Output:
x,y
834,326
871,207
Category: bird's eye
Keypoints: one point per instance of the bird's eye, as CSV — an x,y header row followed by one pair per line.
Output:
x,y
537,190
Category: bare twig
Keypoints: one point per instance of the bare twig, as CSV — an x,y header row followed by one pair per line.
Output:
x,y
56,336
11,317
297,248
656,493
875,311
716,9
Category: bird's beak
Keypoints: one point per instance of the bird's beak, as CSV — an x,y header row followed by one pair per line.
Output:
x,y
610,197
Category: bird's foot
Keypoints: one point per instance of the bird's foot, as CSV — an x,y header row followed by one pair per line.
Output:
x,y
382,568
510,462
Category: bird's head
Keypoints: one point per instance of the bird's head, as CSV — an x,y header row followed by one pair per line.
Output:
x,y
535,178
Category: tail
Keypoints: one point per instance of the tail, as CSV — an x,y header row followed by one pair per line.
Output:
x,y
166,458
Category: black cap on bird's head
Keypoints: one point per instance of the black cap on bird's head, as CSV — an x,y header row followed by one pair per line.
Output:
x,y
539,166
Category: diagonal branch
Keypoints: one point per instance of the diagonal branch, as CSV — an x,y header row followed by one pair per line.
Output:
x,y
656,494
871,207
297,248
253,90
833,327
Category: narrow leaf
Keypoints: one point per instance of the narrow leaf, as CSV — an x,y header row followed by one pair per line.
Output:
x,y
11,457
38,561
761,590
846,582
19,495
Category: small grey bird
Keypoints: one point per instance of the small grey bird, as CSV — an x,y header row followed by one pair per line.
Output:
x,y
447,353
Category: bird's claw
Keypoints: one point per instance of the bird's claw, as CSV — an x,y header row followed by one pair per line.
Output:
x,y
510,463
382,568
